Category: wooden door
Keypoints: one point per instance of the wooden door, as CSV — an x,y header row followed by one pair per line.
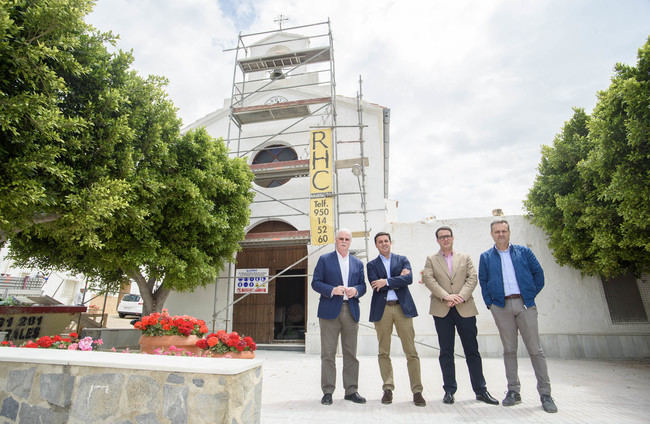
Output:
x,y
255,315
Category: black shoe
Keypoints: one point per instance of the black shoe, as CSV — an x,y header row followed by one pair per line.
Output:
x,y
327,399
448,398
512,398
355,397
486,397
387,398
548,404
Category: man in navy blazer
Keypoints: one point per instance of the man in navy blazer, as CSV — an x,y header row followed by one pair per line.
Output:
x,y
390,275
340,280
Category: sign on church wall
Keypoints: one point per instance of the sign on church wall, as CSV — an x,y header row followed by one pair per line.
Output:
x,y
321,221
321,182
320,162
252,280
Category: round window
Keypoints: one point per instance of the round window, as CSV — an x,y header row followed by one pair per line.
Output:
x,y
275,153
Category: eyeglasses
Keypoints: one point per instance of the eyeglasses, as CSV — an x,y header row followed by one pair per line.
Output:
x,y
445,237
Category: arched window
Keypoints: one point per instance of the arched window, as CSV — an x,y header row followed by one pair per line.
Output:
x,y
274,153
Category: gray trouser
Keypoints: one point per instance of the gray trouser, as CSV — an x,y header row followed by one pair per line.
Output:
x,y
330,329
510,319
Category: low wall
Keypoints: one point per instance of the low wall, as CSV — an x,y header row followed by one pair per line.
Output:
x,y
59,386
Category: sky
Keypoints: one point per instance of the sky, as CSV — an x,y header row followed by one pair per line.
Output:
x,y
475,88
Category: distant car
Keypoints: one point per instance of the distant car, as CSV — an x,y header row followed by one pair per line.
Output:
x,y
131,304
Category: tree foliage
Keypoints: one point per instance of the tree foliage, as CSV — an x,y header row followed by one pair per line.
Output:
x,y
44,48
592,191
128,196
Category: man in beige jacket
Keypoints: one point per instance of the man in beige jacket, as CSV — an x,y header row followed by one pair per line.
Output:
x,y
451,278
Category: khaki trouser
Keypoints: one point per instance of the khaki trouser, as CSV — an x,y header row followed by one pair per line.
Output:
x,y
330,329
393,315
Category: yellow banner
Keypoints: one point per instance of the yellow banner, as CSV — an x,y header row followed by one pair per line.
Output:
x,y
321,218
321,158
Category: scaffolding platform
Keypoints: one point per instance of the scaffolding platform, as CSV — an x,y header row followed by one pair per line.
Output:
x,y
285,60
276,239
276,111
278,170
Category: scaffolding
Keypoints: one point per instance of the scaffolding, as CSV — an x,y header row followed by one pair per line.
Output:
x,y
284,86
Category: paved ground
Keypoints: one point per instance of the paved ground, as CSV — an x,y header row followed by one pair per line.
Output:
x,y
591,392
585,391
114,321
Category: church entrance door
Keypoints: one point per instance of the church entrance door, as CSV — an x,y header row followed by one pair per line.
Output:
x,y
280,315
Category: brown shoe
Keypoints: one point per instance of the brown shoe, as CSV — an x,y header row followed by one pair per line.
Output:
x,y
418,400
387,398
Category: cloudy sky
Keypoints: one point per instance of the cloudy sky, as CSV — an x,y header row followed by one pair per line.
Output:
x,y
474,87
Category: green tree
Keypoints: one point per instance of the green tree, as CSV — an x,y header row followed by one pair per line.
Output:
x,y
592,191
126,196
44,45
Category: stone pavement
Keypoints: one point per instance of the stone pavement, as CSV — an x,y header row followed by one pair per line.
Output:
x,y
585,391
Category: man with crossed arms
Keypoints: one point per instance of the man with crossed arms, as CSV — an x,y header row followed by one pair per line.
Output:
x,y
390,275
340,280
451,278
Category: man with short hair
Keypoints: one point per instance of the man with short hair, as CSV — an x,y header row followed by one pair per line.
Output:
x,y
392,305
451,278
340,280
511,278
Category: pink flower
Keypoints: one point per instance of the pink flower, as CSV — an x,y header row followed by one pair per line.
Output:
x,y
86,343
73,346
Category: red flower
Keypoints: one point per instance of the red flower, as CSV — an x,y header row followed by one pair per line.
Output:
x,y
223,343
202,343
74,335
45,341
31,344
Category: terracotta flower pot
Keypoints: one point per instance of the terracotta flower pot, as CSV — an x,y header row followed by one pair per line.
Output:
x,y
245,354
150,343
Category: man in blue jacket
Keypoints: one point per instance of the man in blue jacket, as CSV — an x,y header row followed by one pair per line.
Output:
x,y
340,280
390,275
510,278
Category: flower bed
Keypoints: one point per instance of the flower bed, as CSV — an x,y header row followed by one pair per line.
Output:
x,y
222,344
70,342
167,329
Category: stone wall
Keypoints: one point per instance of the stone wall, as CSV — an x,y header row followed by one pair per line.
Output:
x,y
55,386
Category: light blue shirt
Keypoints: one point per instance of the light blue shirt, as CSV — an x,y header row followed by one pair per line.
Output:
x,y
391,293
510,285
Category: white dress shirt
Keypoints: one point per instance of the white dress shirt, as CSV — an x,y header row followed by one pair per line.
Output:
x,y
344,265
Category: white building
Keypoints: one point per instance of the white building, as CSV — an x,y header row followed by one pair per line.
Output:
x,y
57,285
286,91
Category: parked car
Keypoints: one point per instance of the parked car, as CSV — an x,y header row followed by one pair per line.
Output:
x,y
131,304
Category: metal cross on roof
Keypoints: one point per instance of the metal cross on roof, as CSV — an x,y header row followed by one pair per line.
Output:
x,y
280,19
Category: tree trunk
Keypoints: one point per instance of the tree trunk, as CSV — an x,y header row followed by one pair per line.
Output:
x,y
152,301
